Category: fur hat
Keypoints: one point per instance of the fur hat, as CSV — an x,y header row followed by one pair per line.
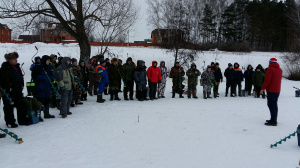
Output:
x,y
10,56
114,60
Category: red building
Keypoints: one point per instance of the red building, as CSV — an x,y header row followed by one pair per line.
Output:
x,y
5,33
55,33
160,36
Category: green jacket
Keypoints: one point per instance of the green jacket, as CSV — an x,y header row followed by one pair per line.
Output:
x,y
128,71
258,78
193,75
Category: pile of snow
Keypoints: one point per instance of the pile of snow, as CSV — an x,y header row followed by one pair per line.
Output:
x,y
175,133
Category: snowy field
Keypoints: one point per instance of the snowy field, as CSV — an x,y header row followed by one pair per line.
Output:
x,y
166,133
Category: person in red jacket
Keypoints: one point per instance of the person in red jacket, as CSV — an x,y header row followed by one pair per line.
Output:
x,y
154,77
272,84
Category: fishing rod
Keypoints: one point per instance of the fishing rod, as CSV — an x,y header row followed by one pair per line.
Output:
x,y
37,50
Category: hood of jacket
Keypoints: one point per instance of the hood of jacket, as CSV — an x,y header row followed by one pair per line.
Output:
x,y
154,62
193,64
64,63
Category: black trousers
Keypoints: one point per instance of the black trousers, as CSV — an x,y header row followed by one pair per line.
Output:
x,y
152,89
9,110
230,84
128,88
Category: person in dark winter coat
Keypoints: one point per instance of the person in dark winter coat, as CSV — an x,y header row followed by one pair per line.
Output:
x,y
154,77
218,78
92,72
13,82
193,74
76,70
272,84
114,78
248,79
53,62
66,84
238,79
128,77
101,69
85,76
230,80
208,79
121,70
43,77
37,61
107,60
53,101
258,80
140,76
177,74
164,74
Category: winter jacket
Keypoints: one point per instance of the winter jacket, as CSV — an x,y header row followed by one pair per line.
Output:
x,y
273,78
114,76
193,75
140,76
128,71
238,73
248,74
177,73
153,73
258,78
63,75
164,72
230,74
103,72
84,72
218,74
54,64
208,77
42,77
12,79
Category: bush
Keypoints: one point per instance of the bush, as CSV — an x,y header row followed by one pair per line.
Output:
x,y
292,65
236,47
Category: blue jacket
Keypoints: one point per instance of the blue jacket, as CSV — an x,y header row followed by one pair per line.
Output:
x,y
42,83
103,72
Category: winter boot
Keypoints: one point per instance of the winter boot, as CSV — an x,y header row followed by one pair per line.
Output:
x,y
180,95
204,95
116,95
2,135
144,94
99,99
215,94
46,112
208,95
41,119
105,91
194,94
140,95
173,94
111,96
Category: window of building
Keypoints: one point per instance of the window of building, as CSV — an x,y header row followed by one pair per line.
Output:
x,y
2,31
63,38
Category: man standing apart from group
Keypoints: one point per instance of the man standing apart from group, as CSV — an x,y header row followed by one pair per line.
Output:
x,y
272,84
154,77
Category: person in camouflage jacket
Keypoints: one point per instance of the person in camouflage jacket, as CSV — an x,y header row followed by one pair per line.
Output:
x,y
128,77
193,74
177,74
162,86
258,79
78,81
92,82
114,78
208,79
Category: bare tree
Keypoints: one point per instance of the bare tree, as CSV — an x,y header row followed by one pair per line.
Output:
x,y
79,18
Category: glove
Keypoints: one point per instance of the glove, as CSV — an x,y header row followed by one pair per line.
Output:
x,y
159,81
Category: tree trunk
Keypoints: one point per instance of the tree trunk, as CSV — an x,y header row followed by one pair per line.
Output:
x,y
85,50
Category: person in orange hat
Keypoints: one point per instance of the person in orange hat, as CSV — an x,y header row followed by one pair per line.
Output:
x,y
272,84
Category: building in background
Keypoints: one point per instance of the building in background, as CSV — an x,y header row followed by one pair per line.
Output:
x,y
55,33
5,33
165,36
31,38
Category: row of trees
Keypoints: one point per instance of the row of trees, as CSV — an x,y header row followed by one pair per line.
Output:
x,y
265,25
83,19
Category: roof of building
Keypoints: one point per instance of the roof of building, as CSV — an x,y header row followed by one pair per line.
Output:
x,y
4,26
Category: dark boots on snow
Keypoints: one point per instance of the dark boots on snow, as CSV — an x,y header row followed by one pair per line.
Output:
x,y
100,99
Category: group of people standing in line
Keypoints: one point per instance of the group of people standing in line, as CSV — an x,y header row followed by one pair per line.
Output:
x,y
62,82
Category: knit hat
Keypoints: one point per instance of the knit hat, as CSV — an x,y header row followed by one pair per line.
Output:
x,y
217,63
208,66
229,64
129,59
81,62
73,60
10,56
273,60
102,61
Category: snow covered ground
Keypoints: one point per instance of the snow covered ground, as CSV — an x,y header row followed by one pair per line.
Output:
x,y
165,133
